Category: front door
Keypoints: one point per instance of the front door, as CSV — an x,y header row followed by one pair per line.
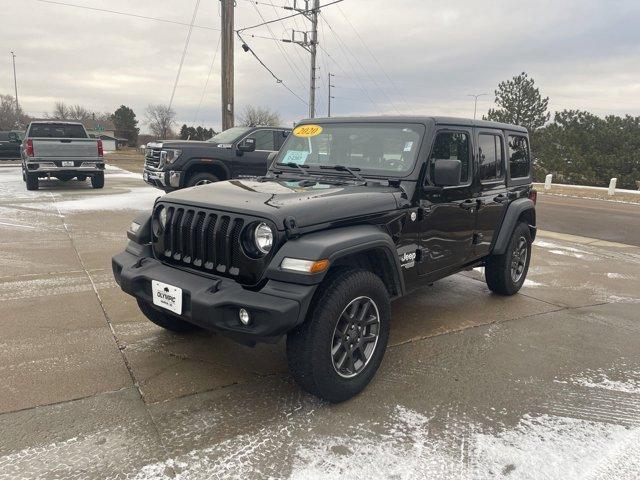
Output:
x,y
255,163
448,215
492,191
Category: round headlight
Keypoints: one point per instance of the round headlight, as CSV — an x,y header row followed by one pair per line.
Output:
x,y
263,237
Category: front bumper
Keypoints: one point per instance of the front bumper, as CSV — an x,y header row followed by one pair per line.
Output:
x,y
161,179
213,303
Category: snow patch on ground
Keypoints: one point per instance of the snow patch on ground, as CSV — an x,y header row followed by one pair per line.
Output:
x,y
621,276
137,198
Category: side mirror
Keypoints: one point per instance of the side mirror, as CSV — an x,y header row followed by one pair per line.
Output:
x,y
446,173
247,145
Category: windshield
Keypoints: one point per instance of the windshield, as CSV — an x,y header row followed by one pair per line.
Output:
x,y
229,136
375,148
57,130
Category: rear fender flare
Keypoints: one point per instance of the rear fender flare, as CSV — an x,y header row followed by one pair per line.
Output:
x,y
509,222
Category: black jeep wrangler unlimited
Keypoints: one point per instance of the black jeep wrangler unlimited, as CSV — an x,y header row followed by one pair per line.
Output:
x,y
236,152
353,213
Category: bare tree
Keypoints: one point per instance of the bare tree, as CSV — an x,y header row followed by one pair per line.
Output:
x,y
259,117
61,111
160,119
11,116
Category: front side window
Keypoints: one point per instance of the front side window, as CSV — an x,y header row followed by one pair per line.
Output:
x,y
264,140
519,157
375,148
453,146
490,157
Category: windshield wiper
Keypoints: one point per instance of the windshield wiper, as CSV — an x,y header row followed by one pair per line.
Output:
x,y
301,168
341,168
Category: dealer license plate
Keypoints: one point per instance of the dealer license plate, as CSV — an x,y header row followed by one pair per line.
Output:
x,y
167,296
67,163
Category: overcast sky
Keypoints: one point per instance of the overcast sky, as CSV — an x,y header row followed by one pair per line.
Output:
x,y
408,56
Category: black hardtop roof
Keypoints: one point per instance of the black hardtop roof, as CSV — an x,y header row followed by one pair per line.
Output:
x,y
435,120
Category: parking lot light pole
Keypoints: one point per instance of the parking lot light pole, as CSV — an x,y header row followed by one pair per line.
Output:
x,y
475,102
15,81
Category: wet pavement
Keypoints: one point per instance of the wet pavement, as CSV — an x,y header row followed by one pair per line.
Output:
x,y
545,384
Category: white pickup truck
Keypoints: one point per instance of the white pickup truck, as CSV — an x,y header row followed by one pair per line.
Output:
x,y
62,150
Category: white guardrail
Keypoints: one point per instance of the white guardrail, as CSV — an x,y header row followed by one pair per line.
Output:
x,y
611,190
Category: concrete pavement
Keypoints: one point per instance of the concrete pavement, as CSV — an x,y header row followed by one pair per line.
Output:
x,y
545,384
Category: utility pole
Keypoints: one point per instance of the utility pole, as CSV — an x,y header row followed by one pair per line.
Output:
x,y
329,96
309,44
227,63
15,81
475,102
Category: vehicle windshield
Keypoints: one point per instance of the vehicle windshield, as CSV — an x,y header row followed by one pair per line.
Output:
x,y
57,130
230,135
375,148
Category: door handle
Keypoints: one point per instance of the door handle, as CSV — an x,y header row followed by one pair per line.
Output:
x,y
468,204
500,198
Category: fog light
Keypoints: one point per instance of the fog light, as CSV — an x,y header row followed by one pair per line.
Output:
x,y
244,316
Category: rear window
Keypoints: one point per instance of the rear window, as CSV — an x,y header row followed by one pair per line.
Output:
x,y
519,157
56,130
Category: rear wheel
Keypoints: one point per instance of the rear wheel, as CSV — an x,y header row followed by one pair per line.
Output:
x,y
32,181
505,274
164,320
336,352
202,179
97,180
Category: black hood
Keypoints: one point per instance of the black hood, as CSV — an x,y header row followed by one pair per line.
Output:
x,y
279,199
182,144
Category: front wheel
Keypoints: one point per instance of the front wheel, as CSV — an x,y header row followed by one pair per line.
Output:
x,y
202,179
505,274
336,352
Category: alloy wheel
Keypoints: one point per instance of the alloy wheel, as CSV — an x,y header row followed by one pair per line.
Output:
x,y
519,259
355,337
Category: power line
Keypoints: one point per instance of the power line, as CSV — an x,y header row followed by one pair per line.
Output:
x,y
346,47
126,14
376,60
287,17
206,84
247,48
184,51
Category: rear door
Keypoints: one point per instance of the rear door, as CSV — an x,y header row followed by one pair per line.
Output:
x,y
448,216
5,144
491,192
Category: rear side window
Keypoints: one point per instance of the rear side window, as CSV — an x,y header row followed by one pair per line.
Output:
x,y
519,157
453,146
490,157
56,130
4,136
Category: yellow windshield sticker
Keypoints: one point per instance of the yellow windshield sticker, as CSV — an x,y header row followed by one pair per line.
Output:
x,y
307,130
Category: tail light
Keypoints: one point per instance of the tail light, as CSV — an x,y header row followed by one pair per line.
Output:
x,y
100,149
29,147
533,196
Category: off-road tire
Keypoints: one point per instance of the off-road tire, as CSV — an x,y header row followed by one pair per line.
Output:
x,y
498,269
165,320
201,179
97,180
309,345
32,181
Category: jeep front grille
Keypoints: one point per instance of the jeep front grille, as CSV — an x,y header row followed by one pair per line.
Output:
x,y
207,241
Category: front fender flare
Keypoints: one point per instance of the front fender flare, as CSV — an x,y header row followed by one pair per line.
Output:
x,y
333,245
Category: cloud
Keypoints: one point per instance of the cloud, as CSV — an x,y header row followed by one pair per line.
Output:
x,y
583,54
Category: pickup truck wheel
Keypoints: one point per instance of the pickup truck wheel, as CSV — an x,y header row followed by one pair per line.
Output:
x,y
32,181
336,352
97,180
164,320
202,179
505,274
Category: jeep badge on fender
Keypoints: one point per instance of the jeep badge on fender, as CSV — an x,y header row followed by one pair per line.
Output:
x,y
352,214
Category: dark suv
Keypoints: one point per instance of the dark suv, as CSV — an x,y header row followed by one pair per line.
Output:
x,y
353,213
236,152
